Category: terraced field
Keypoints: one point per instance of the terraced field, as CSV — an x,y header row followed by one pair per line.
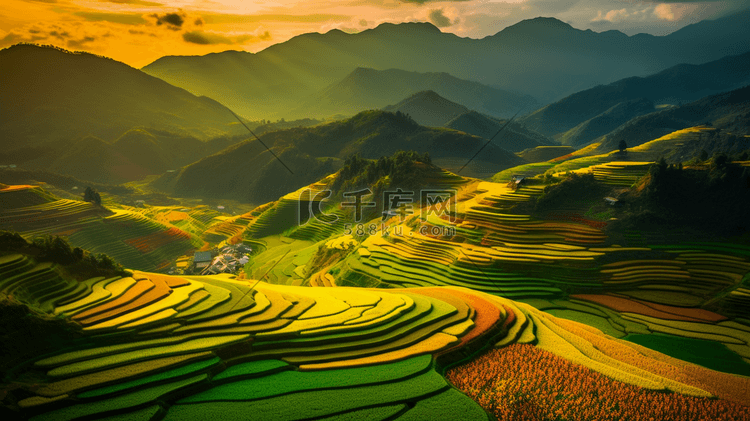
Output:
x,y
164,347
608,165
123,233
196,347
490,247
432,293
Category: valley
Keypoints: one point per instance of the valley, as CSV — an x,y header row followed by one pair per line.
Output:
x,y
347,226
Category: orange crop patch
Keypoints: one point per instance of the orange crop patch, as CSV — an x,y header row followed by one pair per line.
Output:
x,y
17,187
577,217
131,294
660,311
693,313
158,239
487,315
522,382
510,317
128,302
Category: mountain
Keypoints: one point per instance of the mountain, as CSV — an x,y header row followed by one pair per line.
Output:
x,y
545,153
541,57
606,121
366,88
248,172
50,94
515,137
134,155
428,108
678,84
729,111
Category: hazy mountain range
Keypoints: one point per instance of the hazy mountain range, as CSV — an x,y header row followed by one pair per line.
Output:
x,y
729,111
366,88
514,137
542,57
677,85
428,108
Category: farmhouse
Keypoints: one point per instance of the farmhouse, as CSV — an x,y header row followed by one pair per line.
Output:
x,y
611,201
516,181
202,259
230,259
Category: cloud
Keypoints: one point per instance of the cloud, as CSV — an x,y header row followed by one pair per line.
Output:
x,y
439,19
59,35
615,15
172,21
212,38
138,2
427,1
205,38
219,18
670,12
81,43
139,32
363,22
70,35
124,18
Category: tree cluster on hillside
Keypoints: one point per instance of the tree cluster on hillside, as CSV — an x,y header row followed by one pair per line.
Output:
x,y
91,195
572,188
714,199
56,249
401,169
267,126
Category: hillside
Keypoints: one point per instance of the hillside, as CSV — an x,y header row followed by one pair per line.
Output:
x,y
365,89
515,137
247,172
665,199
418,319
125,234
91,95
606,122
729,111
541,57
545,153
676,85
132,156
428,108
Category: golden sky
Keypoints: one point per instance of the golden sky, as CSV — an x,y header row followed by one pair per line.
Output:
x,y
138,32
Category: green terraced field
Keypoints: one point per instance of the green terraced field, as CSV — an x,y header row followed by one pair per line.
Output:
x,y
713,355
245,349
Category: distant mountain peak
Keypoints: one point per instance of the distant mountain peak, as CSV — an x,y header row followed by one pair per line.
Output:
x,y
539,23
363,71
427,94
420,26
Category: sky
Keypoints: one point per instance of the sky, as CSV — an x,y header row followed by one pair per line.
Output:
x,y
137,32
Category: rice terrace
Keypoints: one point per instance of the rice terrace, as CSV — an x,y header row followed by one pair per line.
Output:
x,y
392,210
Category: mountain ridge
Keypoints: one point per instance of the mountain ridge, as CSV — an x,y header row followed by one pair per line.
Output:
x,y
547,64
93,95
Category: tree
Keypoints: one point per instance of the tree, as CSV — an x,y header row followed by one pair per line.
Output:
x,y
91,195
623,146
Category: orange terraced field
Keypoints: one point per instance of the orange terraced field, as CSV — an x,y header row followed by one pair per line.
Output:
x,y
487,315
158,239
129,302
661,311
525,383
